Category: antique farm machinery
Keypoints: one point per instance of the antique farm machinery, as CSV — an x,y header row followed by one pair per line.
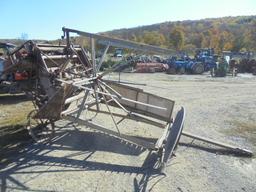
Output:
x,y
65,83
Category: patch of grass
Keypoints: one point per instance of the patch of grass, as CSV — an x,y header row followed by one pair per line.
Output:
x,y
17,119
14,110
13,118
244,129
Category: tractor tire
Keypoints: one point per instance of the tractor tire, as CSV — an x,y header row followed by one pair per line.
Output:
x,y
198,68
171,71
182,70
254,70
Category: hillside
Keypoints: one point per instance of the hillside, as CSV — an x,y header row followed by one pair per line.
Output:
x,y
222,34
227,33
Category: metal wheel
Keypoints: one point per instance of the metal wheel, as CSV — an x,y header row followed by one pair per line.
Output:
x,y
41,130
172,139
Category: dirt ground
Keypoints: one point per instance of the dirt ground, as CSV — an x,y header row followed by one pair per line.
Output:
x,y
79,159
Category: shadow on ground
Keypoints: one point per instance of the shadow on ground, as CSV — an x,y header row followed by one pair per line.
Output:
x,y
8,99
29,155
13,140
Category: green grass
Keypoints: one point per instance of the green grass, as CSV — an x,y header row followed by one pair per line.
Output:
x,y
18,119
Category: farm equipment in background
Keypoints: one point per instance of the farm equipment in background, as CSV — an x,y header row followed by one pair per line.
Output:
x,y
207,57
221,68
150,67
233,67
204,60
254,71
242,62
118,52
141,64
184,65
5,49
12,80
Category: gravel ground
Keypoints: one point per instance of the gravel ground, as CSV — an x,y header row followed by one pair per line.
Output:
x,y
82,160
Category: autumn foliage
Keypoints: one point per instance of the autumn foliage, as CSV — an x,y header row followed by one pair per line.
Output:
x,y
222,34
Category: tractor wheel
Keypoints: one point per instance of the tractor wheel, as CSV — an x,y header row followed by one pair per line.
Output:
x,y
198,68
171,71
172,139
182,70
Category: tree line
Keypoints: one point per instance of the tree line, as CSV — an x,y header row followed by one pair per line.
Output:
x,y
222,34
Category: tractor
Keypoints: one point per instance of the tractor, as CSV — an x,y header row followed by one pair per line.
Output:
x,y
204,60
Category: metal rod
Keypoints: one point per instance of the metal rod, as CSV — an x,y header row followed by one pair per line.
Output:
x,y
220,144
120,42
96,96
102,58
74,98
45,56
115,100
112,117
93,57
86,57
145,104
79,58
87,104
125,82
82,104
110,88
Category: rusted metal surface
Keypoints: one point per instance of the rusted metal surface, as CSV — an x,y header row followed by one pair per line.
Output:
x,y
65,83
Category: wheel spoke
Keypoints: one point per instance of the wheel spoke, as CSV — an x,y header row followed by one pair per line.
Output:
x,y
41,130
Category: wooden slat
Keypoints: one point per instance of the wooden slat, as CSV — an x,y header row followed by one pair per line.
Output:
x,y
144,103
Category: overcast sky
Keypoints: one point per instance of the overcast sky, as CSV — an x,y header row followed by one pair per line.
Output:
x,y
43,19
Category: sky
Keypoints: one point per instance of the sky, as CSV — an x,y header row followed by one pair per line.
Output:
x,y
43,19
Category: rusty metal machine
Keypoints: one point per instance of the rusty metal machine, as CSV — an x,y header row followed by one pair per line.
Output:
x,y
65,83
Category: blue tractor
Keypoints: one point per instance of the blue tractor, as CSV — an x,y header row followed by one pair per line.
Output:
x,y
207,57
204,60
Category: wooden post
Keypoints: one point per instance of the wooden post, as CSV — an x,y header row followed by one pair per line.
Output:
x,y
220,144
93,57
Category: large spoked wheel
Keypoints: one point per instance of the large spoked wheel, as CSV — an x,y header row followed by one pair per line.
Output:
x,y
172,139
41,130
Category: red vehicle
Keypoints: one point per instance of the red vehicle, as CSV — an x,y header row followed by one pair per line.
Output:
x,y
151,67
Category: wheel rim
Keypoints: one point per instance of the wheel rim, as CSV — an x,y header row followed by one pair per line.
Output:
x,y
41,130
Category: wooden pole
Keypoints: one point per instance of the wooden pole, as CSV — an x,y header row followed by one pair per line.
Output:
x,y
220,144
